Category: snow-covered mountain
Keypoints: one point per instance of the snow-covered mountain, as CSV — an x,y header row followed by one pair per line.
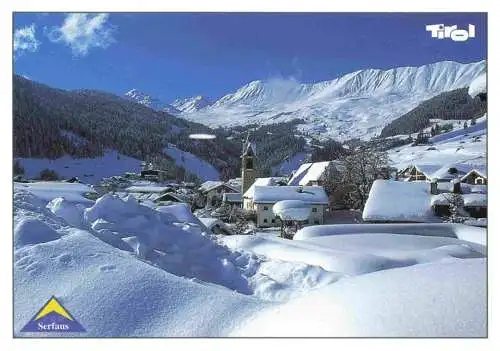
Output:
x,y
356,105
147,100
192,104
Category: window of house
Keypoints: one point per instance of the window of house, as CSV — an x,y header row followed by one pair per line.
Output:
x,y
266,208
316,221
265,220
273,221
315,209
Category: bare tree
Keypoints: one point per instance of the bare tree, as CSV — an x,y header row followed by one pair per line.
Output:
x,y
349,187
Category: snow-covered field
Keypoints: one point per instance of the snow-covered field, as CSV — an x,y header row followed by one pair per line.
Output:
x,y
458,146
88,170
125,269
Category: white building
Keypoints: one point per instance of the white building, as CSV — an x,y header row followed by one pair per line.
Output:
x,y
261,199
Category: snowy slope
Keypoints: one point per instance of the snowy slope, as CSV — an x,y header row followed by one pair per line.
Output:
x,y
458,146
147,100
192,164
88,170
358,104
191,104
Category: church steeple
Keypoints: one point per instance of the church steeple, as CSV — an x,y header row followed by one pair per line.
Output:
x,y
248,166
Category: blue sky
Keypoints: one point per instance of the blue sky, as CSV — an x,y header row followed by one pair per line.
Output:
x,y
185,54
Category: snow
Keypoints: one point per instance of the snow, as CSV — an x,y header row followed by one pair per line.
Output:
x,y
356,105
311,172
89,170
447,230
458,146
475,200
478,86
272,194
403,302
399,201
146,100
216,225
292,209
124,269
48,191
147,189
191,104
270,181
211,185
192,164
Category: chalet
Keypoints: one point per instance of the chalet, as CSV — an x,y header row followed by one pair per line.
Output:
x,y
147,192
216,226
264,197
314,173
233,199
172,197
404,202
440,173
213,192
476,176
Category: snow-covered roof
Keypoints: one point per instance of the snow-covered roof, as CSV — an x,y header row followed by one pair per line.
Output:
x,y
440,199
311,172
442,172
478,86
212,223
481,170
232,197
272,194
391,200
475,199
147,189
213,184
270,181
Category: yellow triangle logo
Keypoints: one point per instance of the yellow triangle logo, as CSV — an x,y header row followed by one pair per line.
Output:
x,y
53,306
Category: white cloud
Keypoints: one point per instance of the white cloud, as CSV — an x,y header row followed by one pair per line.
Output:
x,y
83,31
25,40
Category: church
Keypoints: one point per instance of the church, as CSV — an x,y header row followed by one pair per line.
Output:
x,y
260,194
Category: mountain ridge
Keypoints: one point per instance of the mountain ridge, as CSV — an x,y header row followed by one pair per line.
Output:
x,y
357,104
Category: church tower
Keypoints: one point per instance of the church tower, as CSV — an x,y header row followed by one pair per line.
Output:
x,y
248,166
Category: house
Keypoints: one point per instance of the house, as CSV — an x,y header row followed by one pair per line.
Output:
x,y
216,226
405,202
233,199
172,197
440,173
269,181
147,192
476,175
263,199
214,190
314,173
